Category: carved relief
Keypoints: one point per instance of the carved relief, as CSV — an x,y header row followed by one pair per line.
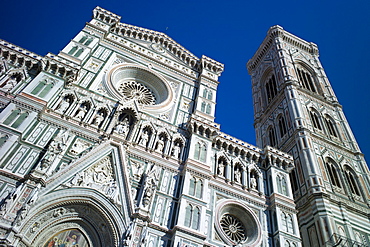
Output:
x,y
100,177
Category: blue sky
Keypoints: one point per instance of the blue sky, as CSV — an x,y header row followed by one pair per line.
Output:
x,y
229,32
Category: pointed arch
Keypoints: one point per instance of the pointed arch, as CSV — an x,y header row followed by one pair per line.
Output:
x,y
272,136
351,178
200,151
315,118
306,78
282,125
332,170
331,126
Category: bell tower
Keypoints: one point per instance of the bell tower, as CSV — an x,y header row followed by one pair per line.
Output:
x,y
296,111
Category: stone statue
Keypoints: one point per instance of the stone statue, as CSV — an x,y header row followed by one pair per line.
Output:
x,y
253,182
160,144
221,168
144,138
81,112
98,119
237,175
123,127
176,150
64,105
9,85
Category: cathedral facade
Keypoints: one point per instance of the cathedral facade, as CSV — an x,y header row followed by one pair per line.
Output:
x,y
113,142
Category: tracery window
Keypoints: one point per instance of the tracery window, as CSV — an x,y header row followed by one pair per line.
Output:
x,y
208,108
192,216
43,88
271,88
86,40
282,126
306,80
351,179
272,137
287,222
207,93
16,118
196,187
331,126
315,119
75,51
281,184
200,151
333,174
203,107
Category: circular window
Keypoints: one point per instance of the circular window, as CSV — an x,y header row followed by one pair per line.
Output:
x,y
233,228
237,224
132,82
135,90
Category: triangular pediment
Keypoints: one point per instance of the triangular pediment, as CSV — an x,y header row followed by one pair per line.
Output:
x,y
157,43
103,170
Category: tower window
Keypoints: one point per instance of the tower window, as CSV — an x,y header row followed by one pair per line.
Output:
x,y
331,126
349,174
333,174
315,120
282,126
306,80
207,94
272,137
271,88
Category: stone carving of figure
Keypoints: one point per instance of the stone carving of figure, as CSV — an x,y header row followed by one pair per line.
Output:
x,y
9,85
150,186
78,147
81,112
148,193
5,206
123,127
98,119
221,168
160,144
253,182
176,150
22,213
144,138
237,175
112,190
64,105
137,169
57,146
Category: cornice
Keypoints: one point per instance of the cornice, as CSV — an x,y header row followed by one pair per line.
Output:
x,y
19,56
155,37
277,32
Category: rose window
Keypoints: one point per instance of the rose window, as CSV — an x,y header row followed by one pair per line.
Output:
x,y
135,90
233,228
237,224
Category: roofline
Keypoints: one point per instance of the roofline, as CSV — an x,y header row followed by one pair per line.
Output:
x,y
278,32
